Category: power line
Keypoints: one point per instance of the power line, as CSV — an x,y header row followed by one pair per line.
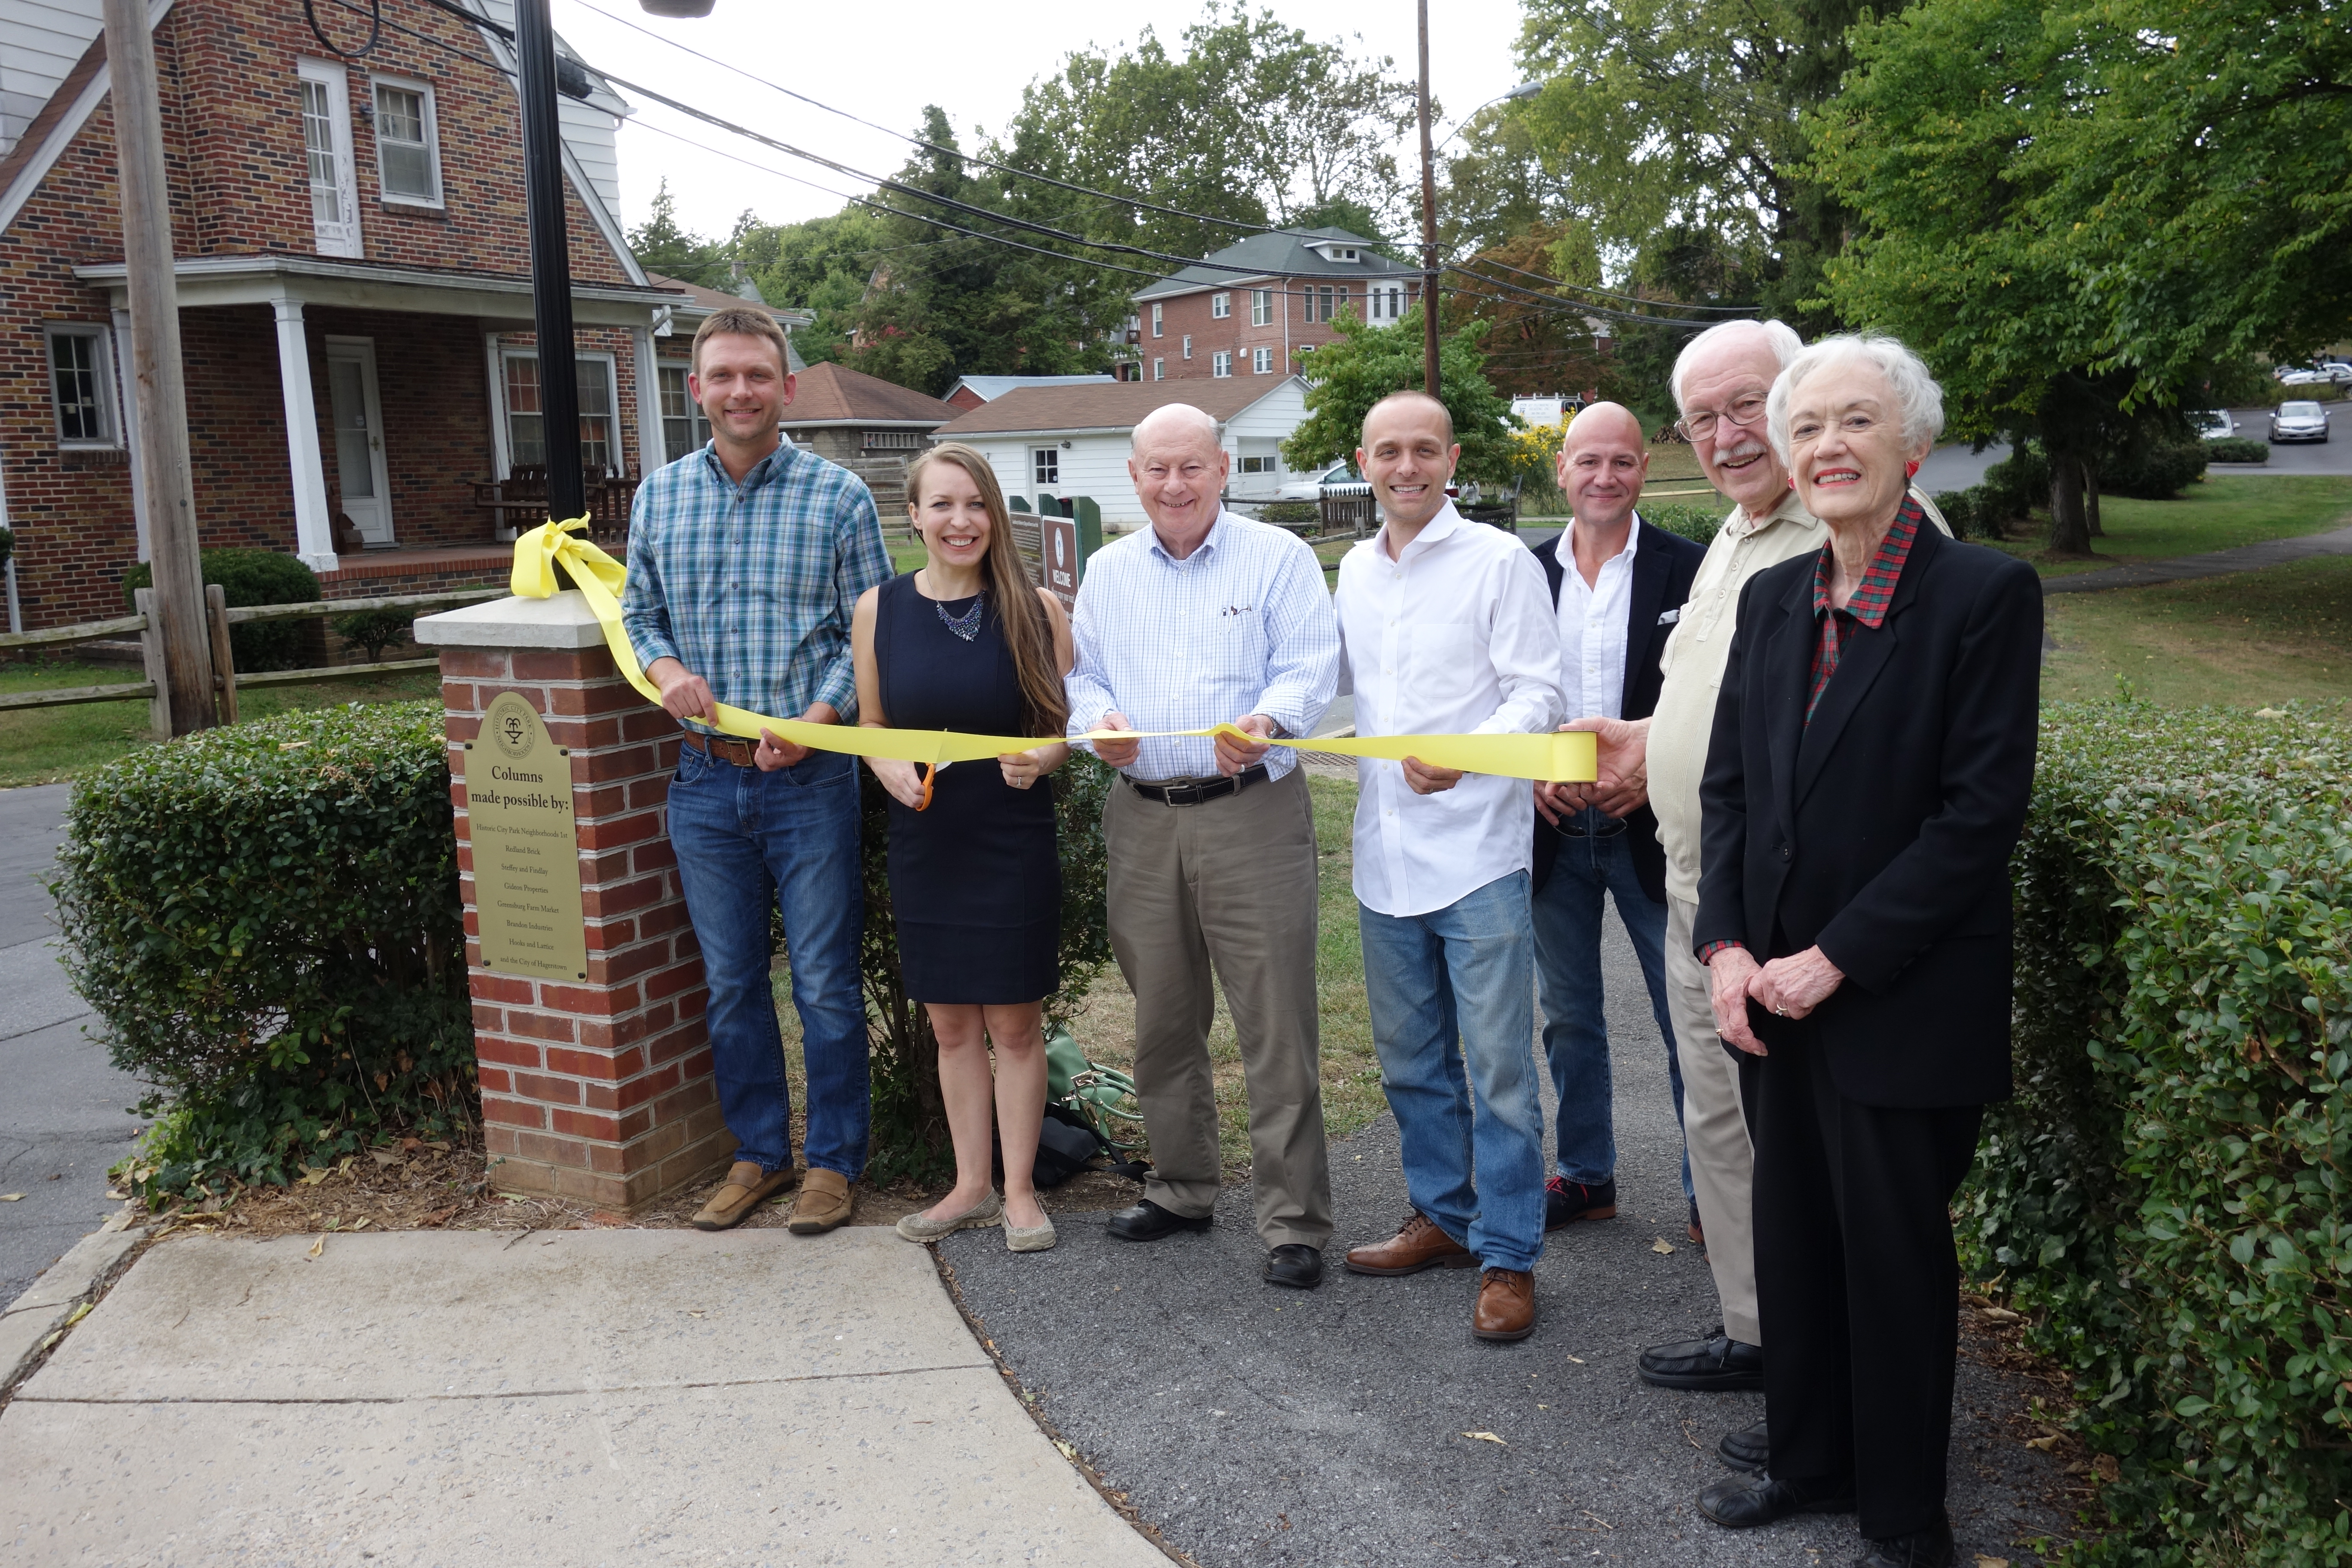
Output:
x,y
1475,259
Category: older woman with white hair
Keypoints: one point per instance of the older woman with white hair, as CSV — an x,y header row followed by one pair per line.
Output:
x,y
1868,777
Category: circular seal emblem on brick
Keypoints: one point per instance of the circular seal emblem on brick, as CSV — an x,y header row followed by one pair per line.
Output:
x,y
509,725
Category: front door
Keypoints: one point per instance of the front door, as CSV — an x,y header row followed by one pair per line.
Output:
x,y
357,416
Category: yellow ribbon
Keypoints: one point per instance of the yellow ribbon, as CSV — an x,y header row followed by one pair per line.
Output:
x,y
1562,757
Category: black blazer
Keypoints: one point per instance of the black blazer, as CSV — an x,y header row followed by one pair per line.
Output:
x,y
1663,566
1883,830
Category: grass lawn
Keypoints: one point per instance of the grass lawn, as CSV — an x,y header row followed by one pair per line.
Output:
x,y
2259,638
2226,510
42,745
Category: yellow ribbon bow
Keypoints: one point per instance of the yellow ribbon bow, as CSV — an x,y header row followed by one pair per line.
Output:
x,y
1563,756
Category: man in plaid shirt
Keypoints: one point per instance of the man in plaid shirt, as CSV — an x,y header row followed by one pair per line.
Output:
x,y
746,560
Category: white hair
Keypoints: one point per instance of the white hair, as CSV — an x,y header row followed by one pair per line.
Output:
x,y
1917,396
1779,336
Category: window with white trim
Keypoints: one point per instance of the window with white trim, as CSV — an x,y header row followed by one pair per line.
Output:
x,y
1261,307
1220,364
1157,325
82,385
1264,465
1262,360
526,420
1046,465
327,153
1325,304
1159,370
1220,306
407,143
1188,345
685,427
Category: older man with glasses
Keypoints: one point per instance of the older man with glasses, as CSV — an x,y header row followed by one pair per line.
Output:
x,y
1720,383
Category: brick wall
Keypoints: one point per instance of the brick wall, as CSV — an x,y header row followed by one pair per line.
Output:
x,y
1191,313
602,1090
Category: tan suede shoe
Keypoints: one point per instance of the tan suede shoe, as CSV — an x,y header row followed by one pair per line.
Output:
x,y
1507,1305
823,1203
745,1189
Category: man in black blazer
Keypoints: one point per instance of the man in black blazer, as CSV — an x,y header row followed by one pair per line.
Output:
x,y
1868,776
1617,588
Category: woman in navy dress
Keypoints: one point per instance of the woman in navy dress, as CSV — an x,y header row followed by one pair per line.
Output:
x,y
969,643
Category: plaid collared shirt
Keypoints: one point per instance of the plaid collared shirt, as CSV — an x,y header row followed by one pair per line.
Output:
x,y
752,586
1871,597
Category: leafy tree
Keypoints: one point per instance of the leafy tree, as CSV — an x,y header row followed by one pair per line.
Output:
x,y
1365,363
661,244
1531,346
820,265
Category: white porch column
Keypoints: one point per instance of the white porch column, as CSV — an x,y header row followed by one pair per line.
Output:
x,y
652,453
314,532
130,407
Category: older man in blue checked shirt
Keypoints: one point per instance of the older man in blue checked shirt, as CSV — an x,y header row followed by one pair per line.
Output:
x,y
1201,618
746,560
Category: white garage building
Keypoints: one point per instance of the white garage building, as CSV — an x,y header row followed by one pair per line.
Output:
x,y
1074,440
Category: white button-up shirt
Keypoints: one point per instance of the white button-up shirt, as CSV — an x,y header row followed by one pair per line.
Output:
x,y
1240,626
1455,636
1592,628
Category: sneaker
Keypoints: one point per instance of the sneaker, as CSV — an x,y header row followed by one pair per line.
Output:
x,y
1566,1202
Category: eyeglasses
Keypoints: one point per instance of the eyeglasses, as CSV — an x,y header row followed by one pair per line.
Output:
x,y
1746,411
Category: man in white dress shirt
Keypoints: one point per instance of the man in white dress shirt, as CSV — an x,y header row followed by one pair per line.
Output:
x,y
1446,629
1204,618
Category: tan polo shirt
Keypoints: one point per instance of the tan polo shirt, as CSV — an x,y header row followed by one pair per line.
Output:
x,y
1694,656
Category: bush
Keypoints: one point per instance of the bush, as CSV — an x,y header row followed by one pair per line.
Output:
x,y
1694,522
910,1130
2167,1195
2157,473
250,577
2012,488
2237,449
1290,513
1959,508
373,630
266,920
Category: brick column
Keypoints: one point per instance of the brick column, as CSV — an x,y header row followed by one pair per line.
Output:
x,y
599,1092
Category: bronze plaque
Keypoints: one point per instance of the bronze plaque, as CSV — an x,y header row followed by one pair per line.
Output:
x,y
526,847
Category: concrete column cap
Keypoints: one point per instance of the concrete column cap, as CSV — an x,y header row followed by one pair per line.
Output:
x,y
564,621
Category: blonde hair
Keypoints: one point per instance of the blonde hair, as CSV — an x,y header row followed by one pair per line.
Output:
x,y
1027,630
748,320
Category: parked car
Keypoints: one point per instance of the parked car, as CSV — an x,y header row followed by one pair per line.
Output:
x,y
2298,421
2327,372
2212,424
1310,487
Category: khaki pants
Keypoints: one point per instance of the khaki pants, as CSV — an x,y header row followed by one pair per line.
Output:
x,y
1722,1160
1229,885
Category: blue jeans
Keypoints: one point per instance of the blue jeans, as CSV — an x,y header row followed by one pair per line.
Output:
x,y
1568,915
1451,989
747,842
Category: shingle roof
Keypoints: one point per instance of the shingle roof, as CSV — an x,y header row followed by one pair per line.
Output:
x,y
1282,254
988,388
831,394
1105,405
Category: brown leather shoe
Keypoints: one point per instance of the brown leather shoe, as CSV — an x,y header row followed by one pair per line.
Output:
x,y
823,1203
746,1189
1418,1245
1507,1305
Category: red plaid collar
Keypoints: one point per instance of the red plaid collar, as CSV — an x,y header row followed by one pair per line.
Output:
x,y
1869,603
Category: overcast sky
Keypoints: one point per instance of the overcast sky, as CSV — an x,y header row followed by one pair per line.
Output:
x,y
884,62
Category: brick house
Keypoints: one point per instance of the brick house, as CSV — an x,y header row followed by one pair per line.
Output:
x,y
1210,322
352,260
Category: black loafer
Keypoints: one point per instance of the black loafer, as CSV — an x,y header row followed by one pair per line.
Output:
x,y
1748,1448
1743,1502
1714,1364
1295,1264
1929,1548
1147,1221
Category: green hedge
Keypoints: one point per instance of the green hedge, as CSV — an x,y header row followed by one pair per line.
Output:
x,y
250,577
2167,1195
265,919
2158,472
910,1130
1700,524
1289,513
2237,449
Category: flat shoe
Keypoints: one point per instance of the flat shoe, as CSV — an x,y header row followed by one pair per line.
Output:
x,y
988,1211
746,1189
1747,1448
825,1203
1030,1238
1744,1502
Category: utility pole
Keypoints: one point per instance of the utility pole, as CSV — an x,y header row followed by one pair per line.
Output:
x,y
1428,226
551,259
164,476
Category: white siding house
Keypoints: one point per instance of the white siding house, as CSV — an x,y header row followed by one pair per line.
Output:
x,y
1074,441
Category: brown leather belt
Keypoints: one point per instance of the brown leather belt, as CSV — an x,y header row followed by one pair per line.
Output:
x,y
721,748
1188,793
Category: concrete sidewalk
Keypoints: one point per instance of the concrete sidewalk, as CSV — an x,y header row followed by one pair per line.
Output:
x,y
569,1397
